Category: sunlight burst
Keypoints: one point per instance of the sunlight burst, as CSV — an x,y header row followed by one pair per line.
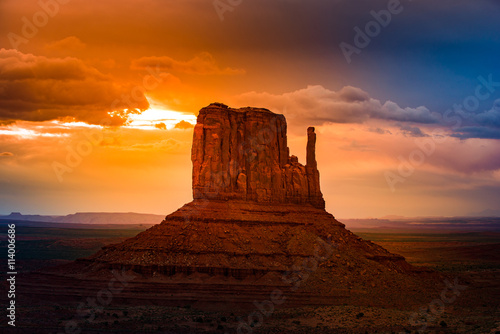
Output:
x,y
156,117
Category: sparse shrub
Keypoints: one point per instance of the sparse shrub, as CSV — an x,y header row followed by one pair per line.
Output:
x,y
359,315
443,324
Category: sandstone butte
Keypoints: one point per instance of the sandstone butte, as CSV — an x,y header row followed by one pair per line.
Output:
x,y
257,222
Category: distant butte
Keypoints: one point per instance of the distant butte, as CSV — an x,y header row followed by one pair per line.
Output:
x,y
257,221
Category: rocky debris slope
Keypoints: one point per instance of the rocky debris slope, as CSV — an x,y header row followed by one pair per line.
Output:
x,y
239,239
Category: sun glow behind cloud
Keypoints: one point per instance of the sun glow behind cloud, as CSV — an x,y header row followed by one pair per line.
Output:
x,y
156,115
66,124
27,133
26,130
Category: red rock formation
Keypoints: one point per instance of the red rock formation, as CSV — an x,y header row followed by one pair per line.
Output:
x,y
242,154
257,216
256,209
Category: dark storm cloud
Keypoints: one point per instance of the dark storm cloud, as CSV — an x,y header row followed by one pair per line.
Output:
x,y
202,64
38,88
323,24
468,132
484,124
416,58
491,117
430,54
412,131
380,131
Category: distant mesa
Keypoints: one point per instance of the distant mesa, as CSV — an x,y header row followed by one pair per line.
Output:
x,y
486,213
92,218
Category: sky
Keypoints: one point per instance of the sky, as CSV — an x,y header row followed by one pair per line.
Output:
x,y
98,99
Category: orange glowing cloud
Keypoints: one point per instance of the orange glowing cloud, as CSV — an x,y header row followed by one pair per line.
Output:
x,y
65,45
39,88
202,64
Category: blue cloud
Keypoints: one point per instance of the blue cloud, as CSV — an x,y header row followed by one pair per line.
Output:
x,y
477,132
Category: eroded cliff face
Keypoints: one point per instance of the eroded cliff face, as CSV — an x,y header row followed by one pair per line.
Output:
x,y
242,154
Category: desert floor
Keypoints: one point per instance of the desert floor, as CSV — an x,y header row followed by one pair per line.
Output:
x,y
473,259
